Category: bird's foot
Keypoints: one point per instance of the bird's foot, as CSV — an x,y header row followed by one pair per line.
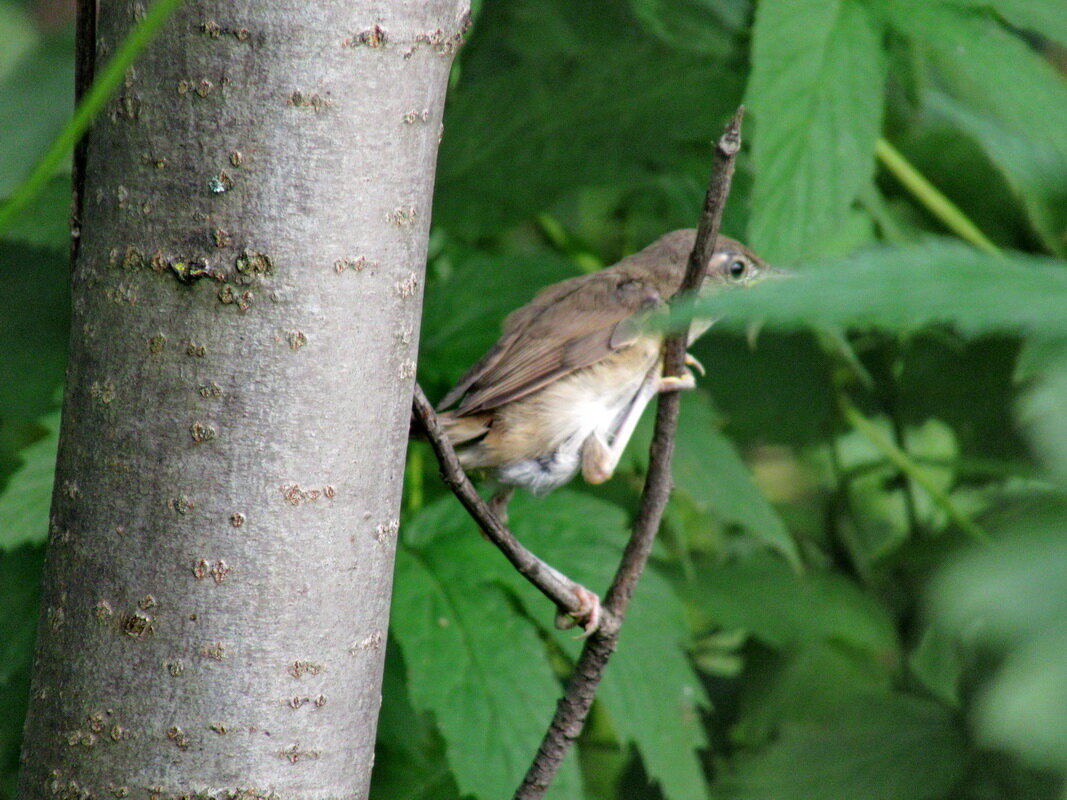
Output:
x,y
681,383
587,616
678,383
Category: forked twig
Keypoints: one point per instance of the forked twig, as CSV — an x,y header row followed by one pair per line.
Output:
x,y
570,597
574,706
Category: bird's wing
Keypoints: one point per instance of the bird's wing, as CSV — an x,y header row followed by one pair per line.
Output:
x,y
570,325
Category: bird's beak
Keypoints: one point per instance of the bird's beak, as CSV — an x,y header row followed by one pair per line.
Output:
x,y
778,272
769,273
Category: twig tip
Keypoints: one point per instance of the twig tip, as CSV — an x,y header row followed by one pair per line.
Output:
x,y
730,142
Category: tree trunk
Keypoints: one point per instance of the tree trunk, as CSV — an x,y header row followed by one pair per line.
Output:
x,y
253,218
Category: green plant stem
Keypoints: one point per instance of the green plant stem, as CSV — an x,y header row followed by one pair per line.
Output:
x,y
906,464
908,491
107,80
871,199
846,535
931,198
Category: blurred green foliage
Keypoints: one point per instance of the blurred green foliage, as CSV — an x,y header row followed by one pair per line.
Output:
x,y
859,591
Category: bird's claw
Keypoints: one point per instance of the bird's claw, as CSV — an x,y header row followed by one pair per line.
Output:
x,y
691,361
587,616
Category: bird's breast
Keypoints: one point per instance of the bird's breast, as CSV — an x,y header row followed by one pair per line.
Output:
x,y
537,441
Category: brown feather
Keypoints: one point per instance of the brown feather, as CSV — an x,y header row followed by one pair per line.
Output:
x,y
576,323
573,370
461,430
571,325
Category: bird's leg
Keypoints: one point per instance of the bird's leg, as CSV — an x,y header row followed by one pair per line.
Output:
x,y
596,460
599,458
499,503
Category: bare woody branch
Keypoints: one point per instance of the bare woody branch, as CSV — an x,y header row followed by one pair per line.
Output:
x,y
570,597
574,706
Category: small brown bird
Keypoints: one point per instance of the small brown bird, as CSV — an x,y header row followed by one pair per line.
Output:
x,y
564,386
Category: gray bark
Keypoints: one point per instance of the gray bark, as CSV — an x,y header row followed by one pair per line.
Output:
x,y
246,294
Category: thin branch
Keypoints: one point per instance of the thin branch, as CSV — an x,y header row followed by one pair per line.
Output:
x,y
570,597
581,689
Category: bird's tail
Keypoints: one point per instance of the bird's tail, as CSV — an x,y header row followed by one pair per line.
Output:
x,y
461,430
465,429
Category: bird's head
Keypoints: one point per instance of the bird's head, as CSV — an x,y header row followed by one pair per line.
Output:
x,y
734,264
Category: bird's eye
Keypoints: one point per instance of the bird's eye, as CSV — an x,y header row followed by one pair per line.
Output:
x,y
736,270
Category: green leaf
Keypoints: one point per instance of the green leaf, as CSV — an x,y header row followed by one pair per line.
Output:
x,y
750,382
538,111
20,580
886,523
1044,413
942,374
936,663
649,690
1042,17
18,35
652,694
882,747
999,91
27,498
907,288
34,318
479,667
1012,597
1036,172
807,684
816,93
35,117
45,222
701,26
708,469
761,595
409,755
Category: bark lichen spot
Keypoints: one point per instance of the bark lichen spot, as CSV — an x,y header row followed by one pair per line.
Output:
x,y
374,36
221,183
253,263
137,626
314,101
